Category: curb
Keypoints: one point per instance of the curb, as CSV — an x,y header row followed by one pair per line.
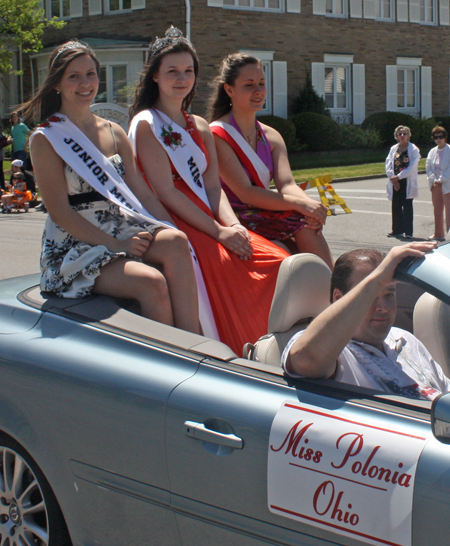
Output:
x,y
365,177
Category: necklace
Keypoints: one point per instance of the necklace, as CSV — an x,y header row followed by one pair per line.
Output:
x,y
250,136
81,120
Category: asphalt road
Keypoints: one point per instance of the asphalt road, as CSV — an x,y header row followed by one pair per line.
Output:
x,y
366,226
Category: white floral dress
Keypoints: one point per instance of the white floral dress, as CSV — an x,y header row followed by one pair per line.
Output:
x,y
69,267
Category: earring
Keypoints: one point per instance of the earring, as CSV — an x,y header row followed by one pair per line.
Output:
x,y
57,92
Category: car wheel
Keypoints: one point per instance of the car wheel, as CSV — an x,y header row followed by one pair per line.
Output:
x,y
29,512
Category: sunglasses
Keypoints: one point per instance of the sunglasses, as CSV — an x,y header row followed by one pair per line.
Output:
x,y
437,137
403,134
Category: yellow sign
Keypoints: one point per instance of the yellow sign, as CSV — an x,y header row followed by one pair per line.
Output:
x,y
323,185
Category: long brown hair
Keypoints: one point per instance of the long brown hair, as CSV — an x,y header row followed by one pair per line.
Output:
x,y
219,103
147,92
47,101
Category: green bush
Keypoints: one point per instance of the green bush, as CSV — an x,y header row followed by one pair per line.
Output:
x,y
386,123
284,126
443,121
309,100
316,131
423,131
353,136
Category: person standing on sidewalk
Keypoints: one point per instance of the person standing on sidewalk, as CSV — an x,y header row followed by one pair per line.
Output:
x,y
19,133
402,165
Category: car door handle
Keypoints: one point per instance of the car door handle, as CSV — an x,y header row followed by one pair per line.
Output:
x,y
198,431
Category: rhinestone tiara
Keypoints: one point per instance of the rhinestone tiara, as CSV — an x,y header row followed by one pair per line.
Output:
x,y
70,45
173,35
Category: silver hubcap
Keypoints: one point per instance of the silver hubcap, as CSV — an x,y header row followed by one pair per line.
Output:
x,y
23,513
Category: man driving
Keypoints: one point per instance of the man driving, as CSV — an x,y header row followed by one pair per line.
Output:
x,y
354,341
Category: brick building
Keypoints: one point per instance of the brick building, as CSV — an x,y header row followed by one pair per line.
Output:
x,y
364,56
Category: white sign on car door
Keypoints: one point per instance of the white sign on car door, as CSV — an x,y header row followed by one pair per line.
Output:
x,y
347,476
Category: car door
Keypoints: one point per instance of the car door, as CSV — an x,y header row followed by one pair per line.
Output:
x,y
221,439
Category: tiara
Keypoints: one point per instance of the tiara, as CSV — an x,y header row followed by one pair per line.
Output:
x,y
173,35
69,45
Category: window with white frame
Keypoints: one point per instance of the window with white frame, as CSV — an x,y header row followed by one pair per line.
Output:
x,y
269,5
383,9
119,5
116,6
407,89
60,8
342,85
337,88
113,79
335,7
428,11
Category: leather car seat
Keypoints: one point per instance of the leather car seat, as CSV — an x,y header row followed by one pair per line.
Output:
x,y
431,320
301,293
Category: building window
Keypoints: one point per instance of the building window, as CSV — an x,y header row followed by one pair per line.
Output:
x,y
407,89
60,8
113,80
383,9
337,88
335,7
119,5
270,5
428,11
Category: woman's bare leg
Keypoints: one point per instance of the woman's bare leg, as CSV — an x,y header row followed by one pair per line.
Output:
x,y
446,197
308,241
170,250
438,205
125,278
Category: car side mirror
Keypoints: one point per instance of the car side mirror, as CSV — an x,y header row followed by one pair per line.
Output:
x,y
440,418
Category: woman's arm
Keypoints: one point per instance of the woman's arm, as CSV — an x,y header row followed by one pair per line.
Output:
x,y
289,195
157,168
389,163
53,189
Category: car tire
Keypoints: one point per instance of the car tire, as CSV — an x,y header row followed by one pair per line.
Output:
x,y
29,511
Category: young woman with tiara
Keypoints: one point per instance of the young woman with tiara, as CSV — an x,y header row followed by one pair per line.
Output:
x,y
177,154
252,154
98,237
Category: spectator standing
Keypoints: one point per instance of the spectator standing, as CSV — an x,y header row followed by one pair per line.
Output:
x,y
438,175
402,170
19,133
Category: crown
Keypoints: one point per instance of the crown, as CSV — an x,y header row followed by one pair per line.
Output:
x,y
173,35
70,45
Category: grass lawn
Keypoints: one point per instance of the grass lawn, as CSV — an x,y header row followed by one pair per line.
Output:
x,y
343,164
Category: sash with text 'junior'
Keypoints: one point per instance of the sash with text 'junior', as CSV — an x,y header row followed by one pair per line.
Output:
x,y
77,151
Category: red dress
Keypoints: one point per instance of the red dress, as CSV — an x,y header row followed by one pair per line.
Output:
x,y
240,292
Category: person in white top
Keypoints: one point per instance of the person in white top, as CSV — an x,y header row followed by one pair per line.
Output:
x,y
353,340
438,174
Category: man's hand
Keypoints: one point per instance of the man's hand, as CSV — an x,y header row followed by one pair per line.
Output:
x,y
384,273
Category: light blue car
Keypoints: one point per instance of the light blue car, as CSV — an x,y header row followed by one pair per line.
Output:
x,y
119,431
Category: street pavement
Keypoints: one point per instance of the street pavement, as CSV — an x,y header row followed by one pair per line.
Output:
x,y
366,226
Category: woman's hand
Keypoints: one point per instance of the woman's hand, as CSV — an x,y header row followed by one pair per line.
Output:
x,y
396,182
236,239
312,223
315,210
135,245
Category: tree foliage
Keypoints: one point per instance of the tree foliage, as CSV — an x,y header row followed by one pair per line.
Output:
x,y
22,24
308,100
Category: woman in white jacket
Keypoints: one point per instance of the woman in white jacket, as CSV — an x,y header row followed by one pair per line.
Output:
x,y
438,174
402,170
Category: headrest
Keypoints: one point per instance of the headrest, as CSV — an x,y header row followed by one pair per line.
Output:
x,y
302,290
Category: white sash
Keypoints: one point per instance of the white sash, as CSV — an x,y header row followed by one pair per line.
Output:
x,y
260,167
187,158
77,151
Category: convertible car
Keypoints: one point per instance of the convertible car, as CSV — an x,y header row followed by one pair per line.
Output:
x,y
119,431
